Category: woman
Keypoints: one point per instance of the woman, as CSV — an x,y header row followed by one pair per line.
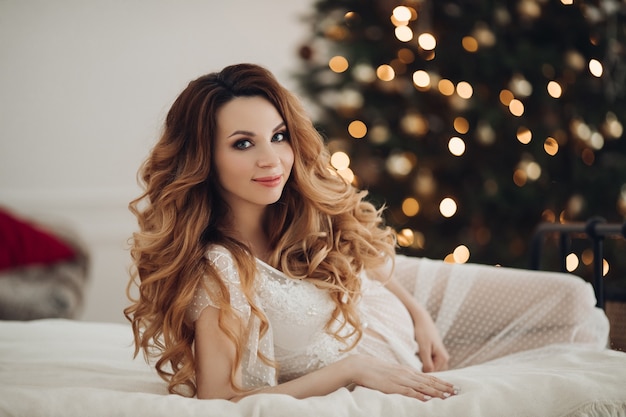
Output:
x,y
260,269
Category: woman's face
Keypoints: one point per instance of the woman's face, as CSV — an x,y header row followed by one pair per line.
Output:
x,y
253,155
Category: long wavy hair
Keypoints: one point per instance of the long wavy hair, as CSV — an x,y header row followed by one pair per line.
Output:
x,y
321,229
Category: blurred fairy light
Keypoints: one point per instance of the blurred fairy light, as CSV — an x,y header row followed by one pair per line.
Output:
x,y
357,129
400,164
595,67
410,238
340,160
427,41
404,33
414,124
461,125
554,89
516,107
520,86
347,175
596,141
447,207
571,262
446,87
485,133
379,134
506,97
385,72
406,56
421,79
364,73
405,237
461,254
425,184
605,267
464,89
567,2
456,146
551,146
470,44
410,207
402,14
484,35
338,64
524,135
612,126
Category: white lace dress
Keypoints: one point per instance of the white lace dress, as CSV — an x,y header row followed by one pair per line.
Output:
x,y
482,312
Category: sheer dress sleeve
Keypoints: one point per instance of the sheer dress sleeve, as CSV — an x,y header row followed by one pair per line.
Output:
x,y
255,372
485,312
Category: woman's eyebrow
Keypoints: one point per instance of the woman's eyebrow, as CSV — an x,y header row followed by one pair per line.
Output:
x,y
280,125
241,132
249,133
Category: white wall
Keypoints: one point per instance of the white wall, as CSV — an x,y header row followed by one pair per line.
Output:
x,y
84,87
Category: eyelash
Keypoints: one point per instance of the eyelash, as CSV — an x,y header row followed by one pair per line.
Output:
x,y
244,144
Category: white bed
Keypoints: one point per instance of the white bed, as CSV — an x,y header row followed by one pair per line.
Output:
x,y
69,368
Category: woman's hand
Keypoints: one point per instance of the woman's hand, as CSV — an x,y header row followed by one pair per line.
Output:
x,y
432,352
390,378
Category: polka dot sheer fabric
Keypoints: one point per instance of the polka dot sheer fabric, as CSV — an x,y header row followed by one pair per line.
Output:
x,y
482,313
485,312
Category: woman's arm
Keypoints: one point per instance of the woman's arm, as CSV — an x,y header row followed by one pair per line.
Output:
x,y
215,354
432,352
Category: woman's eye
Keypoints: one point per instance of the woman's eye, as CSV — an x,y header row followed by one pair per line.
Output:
x,y
242,144
280,137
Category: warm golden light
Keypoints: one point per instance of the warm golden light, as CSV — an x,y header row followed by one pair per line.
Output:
x,y
446,87
406,56
470,44
338,64
520,177
595,67
461,125
400,164
524,135
554,89
461,254
551,146
402,13
405,237
571,262
533,171
421,79
357,129
506,97
346,174
427,41
385,72
456,146
516,107
464,89
605,267
447,207
410,207
340,160
567,2
404,33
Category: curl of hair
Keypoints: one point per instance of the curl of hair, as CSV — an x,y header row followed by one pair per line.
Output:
x,y
334,236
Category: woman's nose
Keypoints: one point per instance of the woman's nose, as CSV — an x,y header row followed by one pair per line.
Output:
x,y
268,156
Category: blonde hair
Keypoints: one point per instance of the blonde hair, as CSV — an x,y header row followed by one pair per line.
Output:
x,y
321,229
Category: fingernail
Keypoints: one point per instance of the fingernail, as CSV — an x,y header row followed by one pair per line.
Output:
x,y
427,397
446,394
456,390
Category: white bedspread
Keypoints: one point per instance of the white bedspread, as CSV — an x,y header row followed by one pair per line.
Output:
x,y
70,368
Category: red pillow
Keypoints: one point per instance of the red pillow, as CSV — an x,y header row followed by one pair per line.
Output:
x,y
22,244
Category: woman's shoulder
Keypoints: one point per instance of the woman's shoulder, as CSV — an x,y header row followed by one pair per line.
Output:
x,y
218,255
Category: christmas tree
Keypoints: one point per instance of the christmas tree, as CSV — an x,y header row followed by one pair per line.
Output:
x,y
474,121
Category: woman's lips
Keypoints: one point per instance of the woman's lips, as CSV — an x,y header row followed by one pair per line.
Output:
x,y
271,181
